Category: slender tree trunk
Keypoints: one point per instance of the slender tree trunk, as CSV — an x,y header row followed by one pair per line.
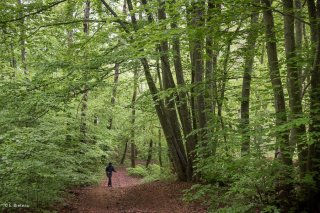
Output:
x,y
182,102
133,118
84,107
149,158
220,99
114,92
298,24
197,21
23,51
124,153
83,121
13,57
160,148
168,83
246,83
210,71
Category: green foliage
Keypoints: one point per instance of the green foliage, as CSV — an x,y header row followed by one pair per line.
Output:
x,y
152,173
37,164
138,171
238,185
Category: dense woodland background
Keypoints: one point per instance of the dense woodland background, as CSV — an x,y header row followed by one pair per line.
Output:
x,y
222,93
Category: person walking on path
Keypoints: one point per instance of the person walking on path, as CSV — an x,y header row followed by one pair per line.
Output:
x,y
109,170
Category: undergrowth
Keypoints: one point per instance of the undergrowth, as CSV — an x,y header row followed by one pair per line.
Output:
x,y
153,173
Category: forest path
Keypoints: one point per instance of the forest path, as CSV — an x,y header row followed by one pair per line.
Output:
x,y
129,194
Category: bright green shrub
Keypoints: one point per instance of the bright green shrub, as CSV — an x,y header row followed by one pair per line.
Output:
x,y
238,185
138,171
152,173
37,165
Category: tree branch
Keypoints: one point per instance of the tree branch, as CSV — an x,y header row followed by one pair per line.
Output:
x,y
116,16
34,13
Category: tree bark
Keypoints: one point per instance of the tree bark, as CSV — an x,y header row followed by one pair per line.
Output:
x,y
124,153
133,118
160,148
197,21
149,158
313,196
282,136
114,92
182,102
168,83
294,84
23,51
298,24
84,105
246,83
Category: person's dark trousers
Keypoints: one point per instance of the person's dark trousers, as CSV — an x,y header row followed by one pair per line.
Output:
x,y
109,180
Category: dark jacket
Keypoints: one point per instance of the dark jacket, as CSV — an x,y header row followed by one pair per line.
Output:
x,y
109,170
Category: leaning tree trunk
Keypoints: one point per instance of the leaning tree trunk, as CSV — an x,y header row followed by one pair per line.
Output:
x,y
168,83
183,100
176,154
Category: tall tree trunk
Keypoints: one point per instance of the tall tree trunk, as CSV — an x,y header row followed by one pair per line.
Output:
x,y
279,101
313,196
23,51
246,83
220,99
210,56
294,84
182,102
124,153
197,22
114,92
133,118
298,24
212,52
168,83
84,107
282,136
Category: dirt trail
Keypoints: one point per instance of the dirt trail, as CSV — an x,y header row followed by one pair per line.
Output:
x,y
129,195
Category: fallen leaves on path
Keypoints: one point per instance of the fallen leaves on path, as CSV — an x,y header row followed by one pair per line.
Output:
x,y
129,195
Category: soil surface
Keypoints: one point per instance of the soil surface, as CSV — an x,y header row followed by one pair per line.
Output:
x,y
130,195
